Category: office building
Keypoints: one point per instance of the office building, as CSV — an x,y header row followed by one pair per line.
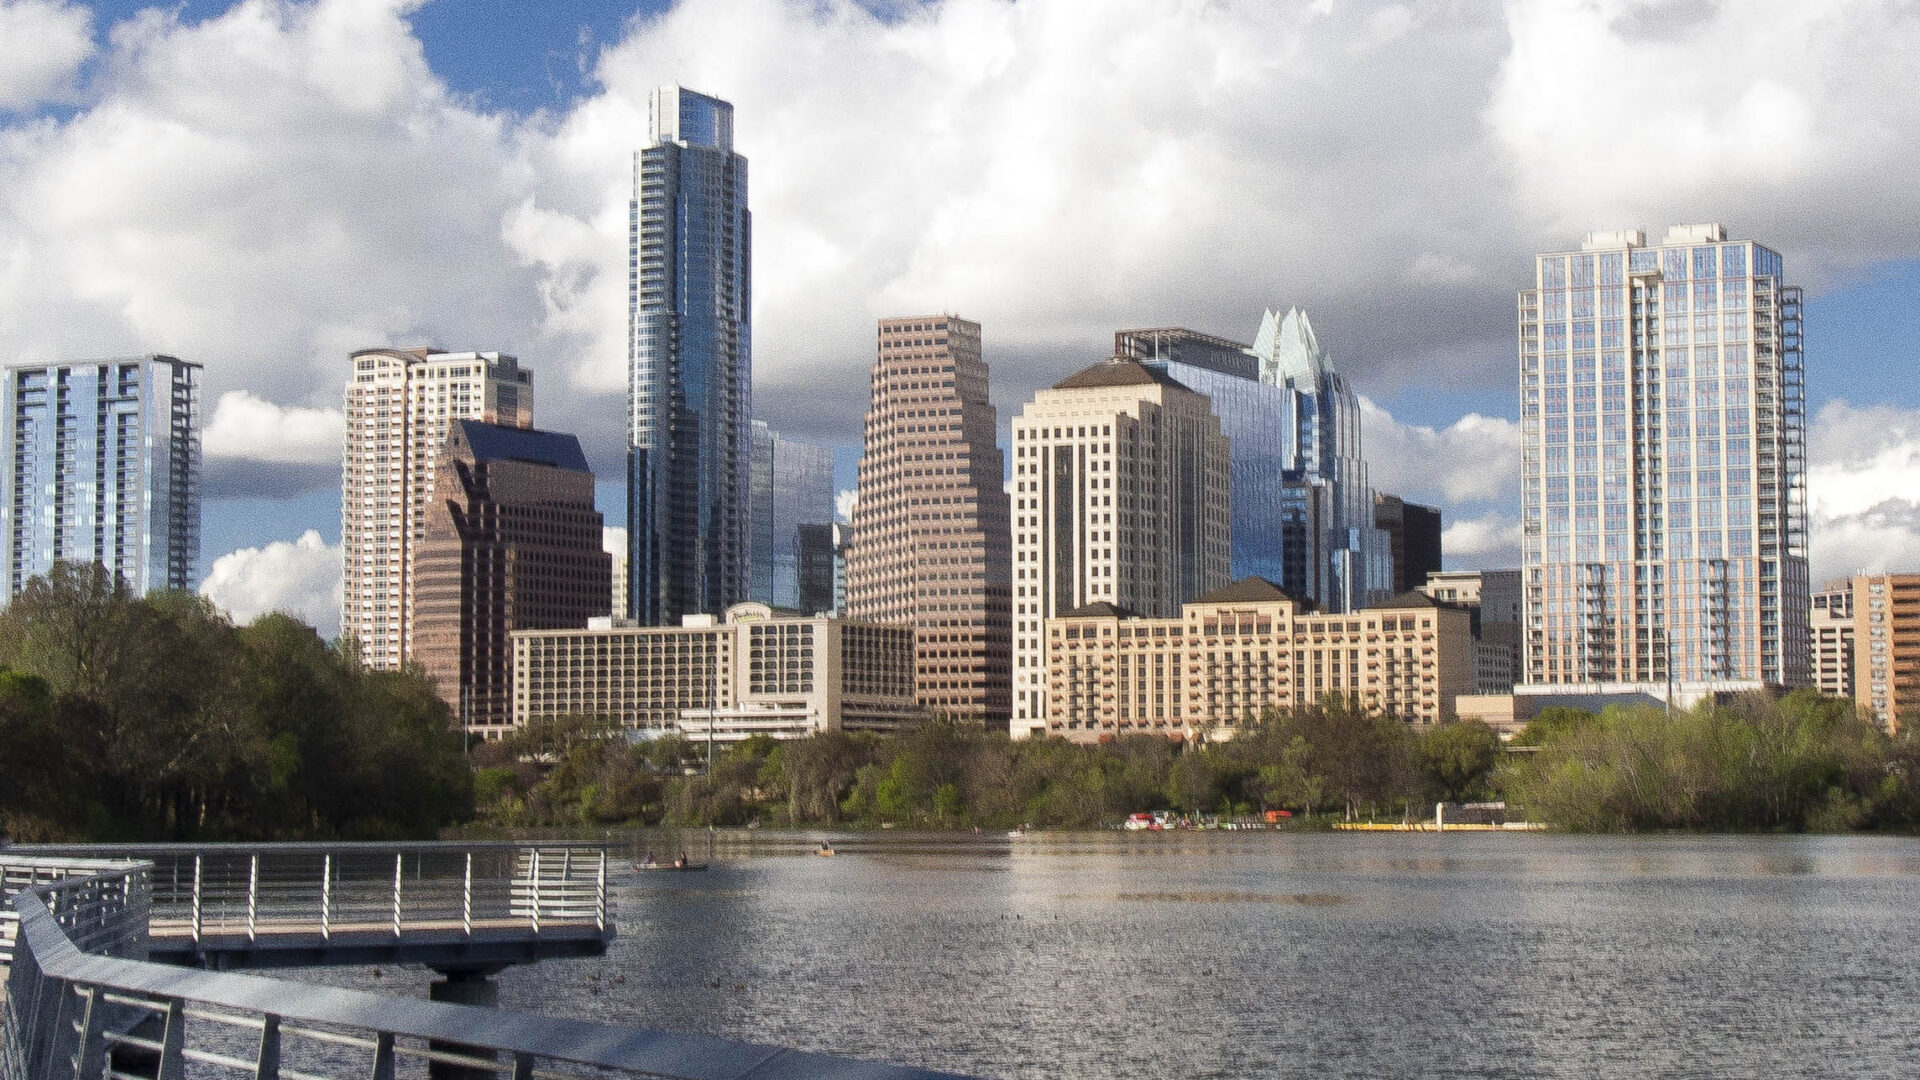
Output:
x,y
1413,539
1120,497
1493,599
755,672
1241,650
930,528
1830,629
790,491
399,403
102,465
1302,510
842,553
690,370
1886,647
512,542
613,541
1663,504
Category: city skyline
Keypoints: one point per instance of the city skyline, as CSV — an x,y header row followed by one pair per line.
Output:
x,y
500,239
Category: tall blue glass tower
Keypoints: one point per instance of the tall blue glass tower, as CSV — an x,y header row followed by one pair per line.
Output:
x,y
690,370
101,465
1302,510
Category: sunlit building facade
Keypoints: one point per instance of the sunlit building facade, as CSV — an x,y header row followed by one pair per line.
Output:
x,y
399,404
1830,627
1120,496
690,371
102,465
1663,461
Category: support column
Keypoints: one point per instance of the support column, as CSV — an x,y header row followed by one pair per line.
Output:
x,y
463,986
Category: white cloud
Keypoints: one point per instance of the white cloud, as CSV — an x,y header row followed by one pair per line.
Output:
x,y
1863,490
1489,541
844,501
249,429
301,578
47,41
1474,459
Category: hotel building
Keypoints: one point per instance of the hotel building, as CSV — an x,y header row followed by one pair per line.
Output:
x,y
512,542
399,403
1237,651
930,534
755,672
1120,496
102,465
1663,490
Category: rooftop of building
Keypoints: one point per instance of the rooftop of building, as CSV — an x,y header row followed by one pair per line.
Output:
x,y
1117,371
1414,599
1251,590
1101,610
497,442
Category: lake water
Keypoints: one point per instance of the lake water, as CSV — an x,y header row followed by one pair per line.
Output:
x,y
1277,955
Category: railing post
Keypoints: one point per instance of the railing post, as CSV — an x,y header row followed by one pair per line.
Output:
x,y
326,896
253,896
600,893
198,875
90,1057
535,905
399,871
466,899
266,1063
383,1056
522,1066
173,1044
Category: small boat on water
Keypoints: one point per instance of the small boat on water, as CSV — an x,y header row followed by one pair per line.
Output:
x,y
825,848
672,866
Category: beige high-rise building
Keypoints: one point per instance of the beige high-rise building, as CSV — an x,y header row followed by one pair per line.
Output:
x,y
1886,647
399,403
1831,623
1119,497
930,528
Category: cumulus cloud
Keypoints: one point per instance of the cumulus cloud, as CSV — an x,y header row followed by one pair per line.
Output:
x,y
300,578
1863,490
1474,459
47,40
844,501
1489,541
251,429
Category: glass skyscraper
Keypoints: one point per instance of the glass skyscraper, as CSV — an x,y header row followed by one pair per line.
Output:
x,y
790,489
690,370
1663,506
102,465
1302,510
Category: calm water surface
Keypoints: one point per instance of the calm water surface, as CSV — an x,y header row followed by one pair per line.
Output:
x,y
1278,955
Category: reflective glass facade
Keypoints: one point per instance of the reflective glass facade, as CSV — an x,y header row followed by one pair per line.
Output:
x,y
1663,499
790,489
102,465
690,368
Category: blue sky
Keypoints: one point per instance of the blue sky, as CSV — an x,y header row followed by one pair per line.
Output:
x,y
264,187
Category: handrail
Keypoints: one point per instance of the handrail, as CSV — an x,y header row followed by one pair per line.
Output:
x,y
60,997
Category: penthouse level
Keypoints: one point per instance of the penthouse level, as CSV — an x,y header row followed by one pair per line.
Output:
x,y
1241,649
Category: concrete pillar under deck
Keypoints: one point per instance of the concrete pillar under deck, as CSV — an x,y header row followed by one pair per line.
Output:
x,y
463,986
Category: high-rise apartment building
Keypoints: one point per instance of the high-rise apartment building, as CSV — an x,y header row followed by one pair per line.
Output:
x,y
1886,647
399,403
1663,502
1413,537
790,499
1120,496
690,370
1302,510
102,465
512,543
930,534
1830,627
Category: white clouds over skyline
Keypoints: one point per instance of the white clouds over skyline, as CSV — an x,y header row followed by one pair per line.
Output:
x,y
269,189
301,578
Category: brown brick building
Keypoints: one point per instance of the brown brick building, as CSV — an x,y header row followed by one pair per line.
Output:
x,y
512,542
931,540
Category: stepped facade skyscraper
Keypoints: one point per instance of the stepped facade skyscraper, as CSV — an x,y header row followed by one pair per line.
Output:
x,y
930,529
1663,503
1120,498
399,405
690,366
101,465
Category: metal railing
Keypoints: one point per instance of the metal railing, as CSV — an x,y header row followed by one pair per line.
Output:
x,y
72,1012
90,911
233,892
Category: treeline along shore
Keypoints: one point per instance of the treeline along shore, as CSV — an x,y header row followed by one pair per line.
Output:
x,y
155,718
